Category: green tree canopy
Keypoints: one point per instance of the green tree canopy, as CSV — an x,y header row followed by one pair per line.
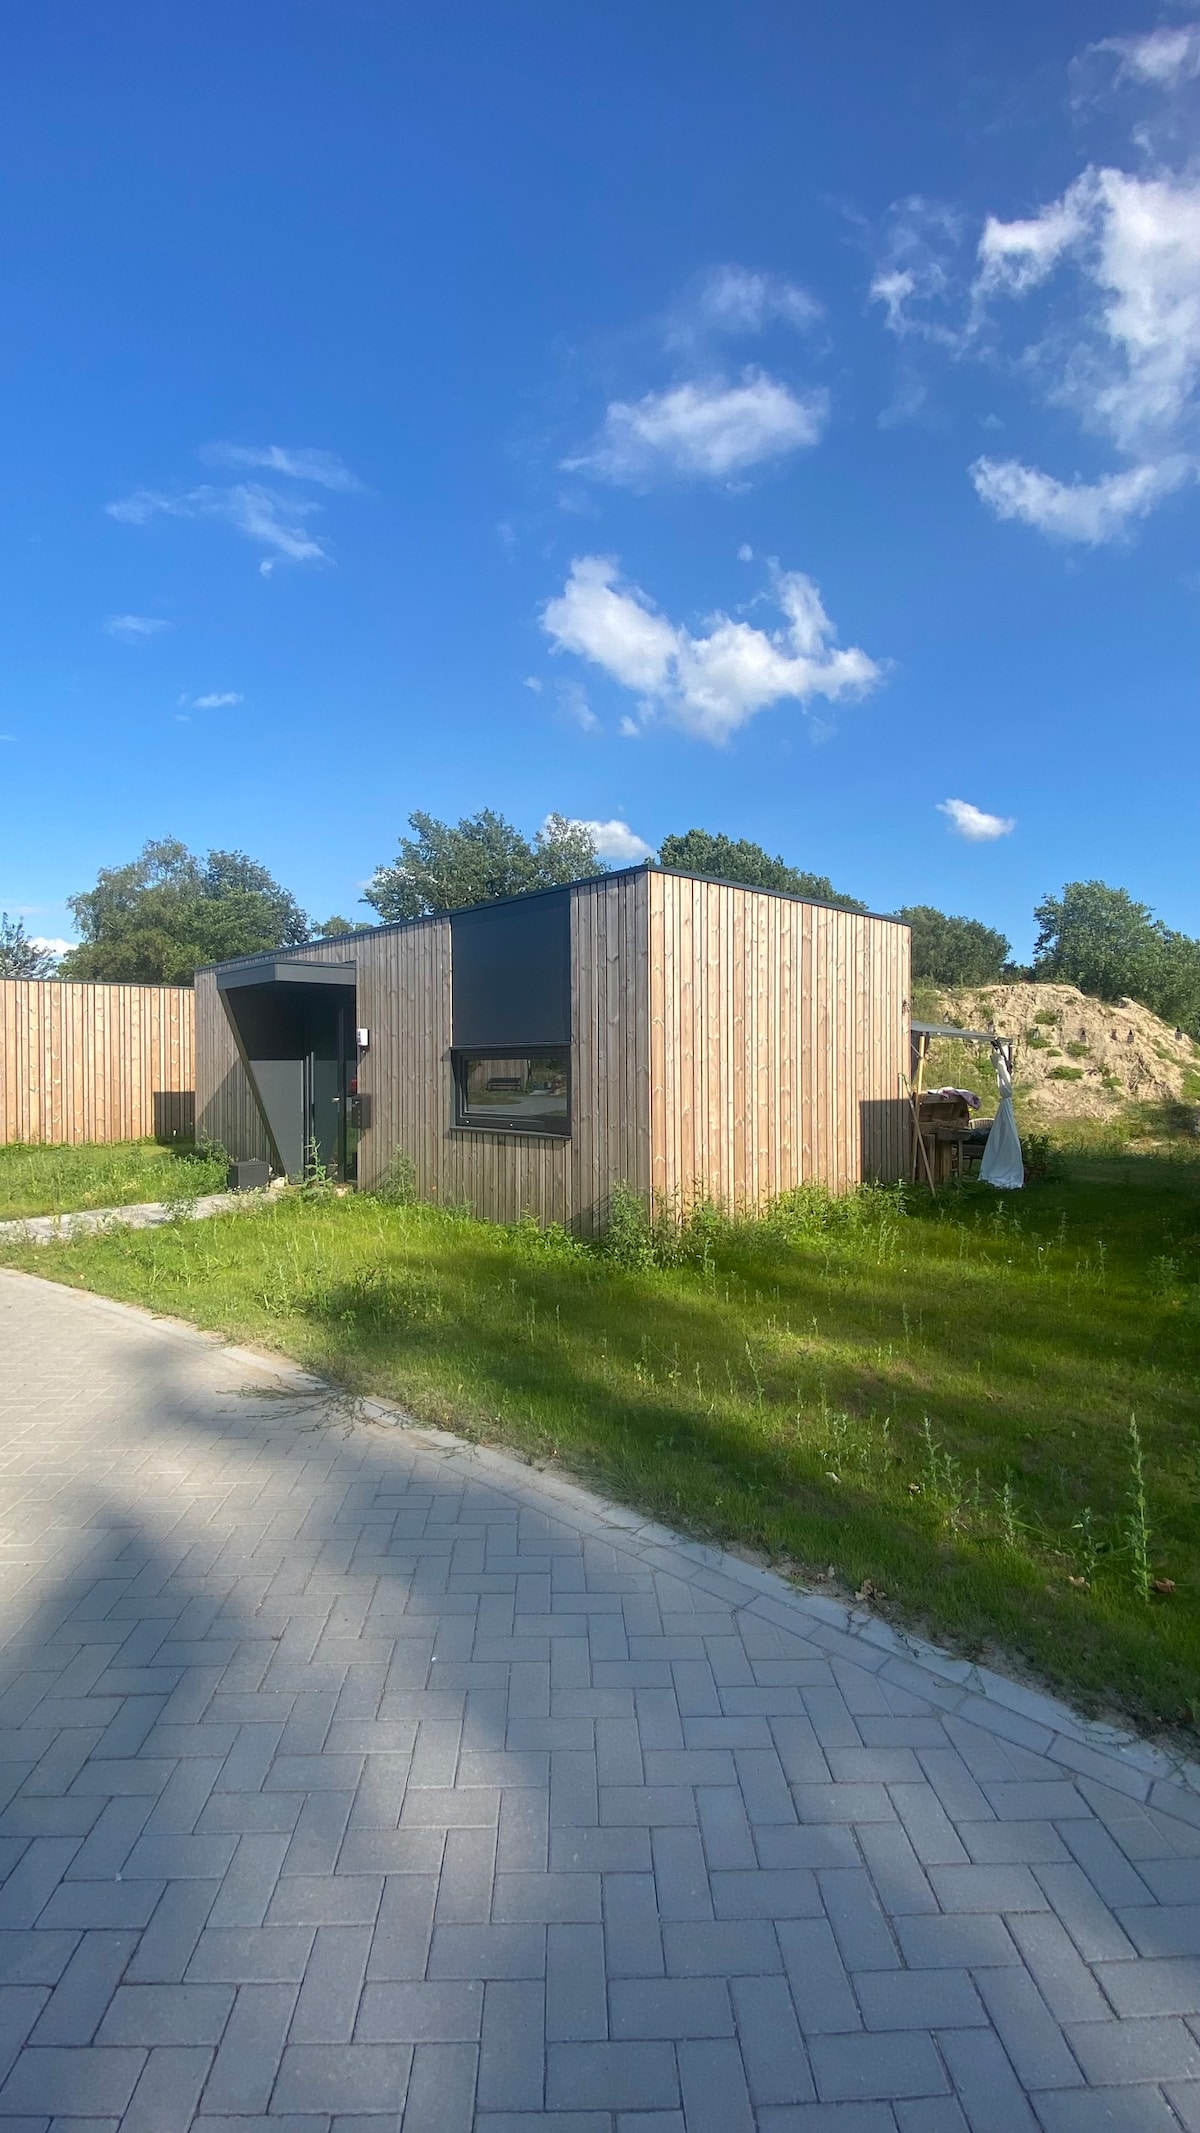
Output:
x,y
445,866
1105,942
329,928
699,851
157,919
19,956
953,951
1097,938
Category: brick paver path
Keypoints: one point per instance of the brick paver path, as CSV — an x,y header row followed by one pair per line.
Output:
x,y
352,1781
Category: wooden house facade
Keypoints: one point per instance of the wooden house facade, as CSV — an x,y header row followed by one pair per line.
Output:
x,y
678,1035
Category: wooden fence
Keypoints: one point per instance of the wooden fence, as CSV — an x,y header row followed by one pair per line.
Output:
x,y
96,1062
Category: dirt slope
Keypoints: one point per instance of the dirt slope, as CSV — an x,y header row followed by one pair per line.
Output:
x,y
1077,1057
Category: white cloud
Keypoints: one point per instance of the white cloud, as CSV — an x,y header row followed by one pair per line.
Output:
x,y
733,299
1161,59
1130,365
134,629
217,700
574,705
615,629
974,823
1091,512
1016,256
52,947
275,522
1108,273
299,463
918,277
705,428
713,682
745,553
614,840
532,682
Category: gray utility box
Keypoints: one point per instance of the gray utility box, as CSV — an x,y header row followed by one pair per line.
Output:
x,y
251,1176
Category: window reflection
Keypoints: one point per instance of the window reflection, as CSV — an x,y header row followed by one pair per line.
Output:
x,y
517,1092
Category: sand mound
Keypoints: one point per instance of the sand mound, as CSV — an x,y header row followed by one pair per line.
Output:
x,y
1077,1057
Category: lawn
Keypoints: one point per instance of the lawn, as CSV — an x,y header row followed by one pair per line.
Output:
x,y
58,1180
930,1404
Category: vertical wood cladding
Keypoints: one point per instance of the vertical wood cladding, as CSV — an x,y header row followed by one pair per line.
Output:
x,y
778,1044
722,1041
95,1062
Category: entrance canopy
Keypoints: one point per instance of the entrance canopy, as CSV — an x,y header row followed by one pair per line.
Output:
x,y
294,1027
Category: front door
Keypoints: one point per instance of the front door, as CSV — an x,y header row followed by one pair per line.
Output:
x,y
330,1072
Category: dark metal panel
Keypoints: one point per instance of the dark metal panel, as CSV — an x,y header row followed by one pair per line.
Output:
x,y
273,970
511,972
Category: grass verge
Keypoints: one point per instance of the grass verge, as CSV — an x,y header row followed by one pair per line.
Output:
x,y
60,1180
929,1404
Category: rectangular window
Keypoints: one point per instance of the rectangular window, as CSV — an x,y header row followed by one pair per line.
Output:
x,y
515,1092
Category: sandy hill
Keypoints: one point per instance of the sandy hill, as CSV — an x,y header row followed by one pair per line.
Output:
x,y
1077,1057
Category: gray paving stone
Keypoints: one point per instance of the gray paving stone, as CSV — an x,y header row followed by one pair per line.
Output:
x,y
670,2007
513,2051
1116,2110
426,2013
332,1986
721,1948
66,2080
877,2067
79,2001
823,1995
772,2048
344,2078
612,2076
712,2079
992,2098
441,2089
1028,2031
922,1999
168,2091
576,1985
247,2061
1158,2048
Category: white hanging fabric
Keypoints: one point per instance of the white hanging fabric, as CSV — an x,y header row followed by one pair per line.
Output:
x,y
1002,1163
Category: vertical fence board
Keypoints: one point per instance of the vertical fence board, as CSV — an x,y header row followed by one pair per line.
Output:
x,y
95,1062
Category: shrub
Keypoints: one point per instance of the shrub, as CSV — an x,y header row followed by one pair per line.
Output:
x,y
1040,1157
1078,1050
398,1183
1065,1073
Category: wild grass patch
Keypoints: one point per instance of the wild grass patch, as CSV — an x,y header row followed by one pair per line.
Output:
x,y
57,1179
982,1413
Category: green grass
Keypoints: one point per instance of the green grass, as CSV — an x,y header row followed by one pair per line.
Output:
x,y
934,1398
59,1180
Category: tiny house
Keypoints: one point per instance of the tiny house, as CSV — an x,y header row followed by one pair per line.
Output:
x,y
681,1036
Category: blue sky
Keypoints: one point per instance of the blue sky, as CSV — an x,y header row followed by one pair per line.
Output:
x,y
780,420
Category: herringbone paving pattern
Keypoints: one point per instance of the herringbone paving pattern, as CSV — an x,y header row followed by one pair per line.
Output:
x,y
354,1783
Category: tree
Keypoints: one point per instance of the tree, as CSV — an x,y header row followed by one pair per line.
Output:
x,y
448,865
19,956
1106,943
700,851
1098,939
330,928
953,951
155,920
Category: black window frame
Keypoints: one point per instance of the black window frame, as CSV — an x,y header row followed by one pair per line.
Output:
x,y
547,1127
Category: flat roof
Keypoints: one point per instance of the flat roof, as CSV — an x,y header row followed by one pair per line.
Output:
x,y
949,1029
585,881
284,968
